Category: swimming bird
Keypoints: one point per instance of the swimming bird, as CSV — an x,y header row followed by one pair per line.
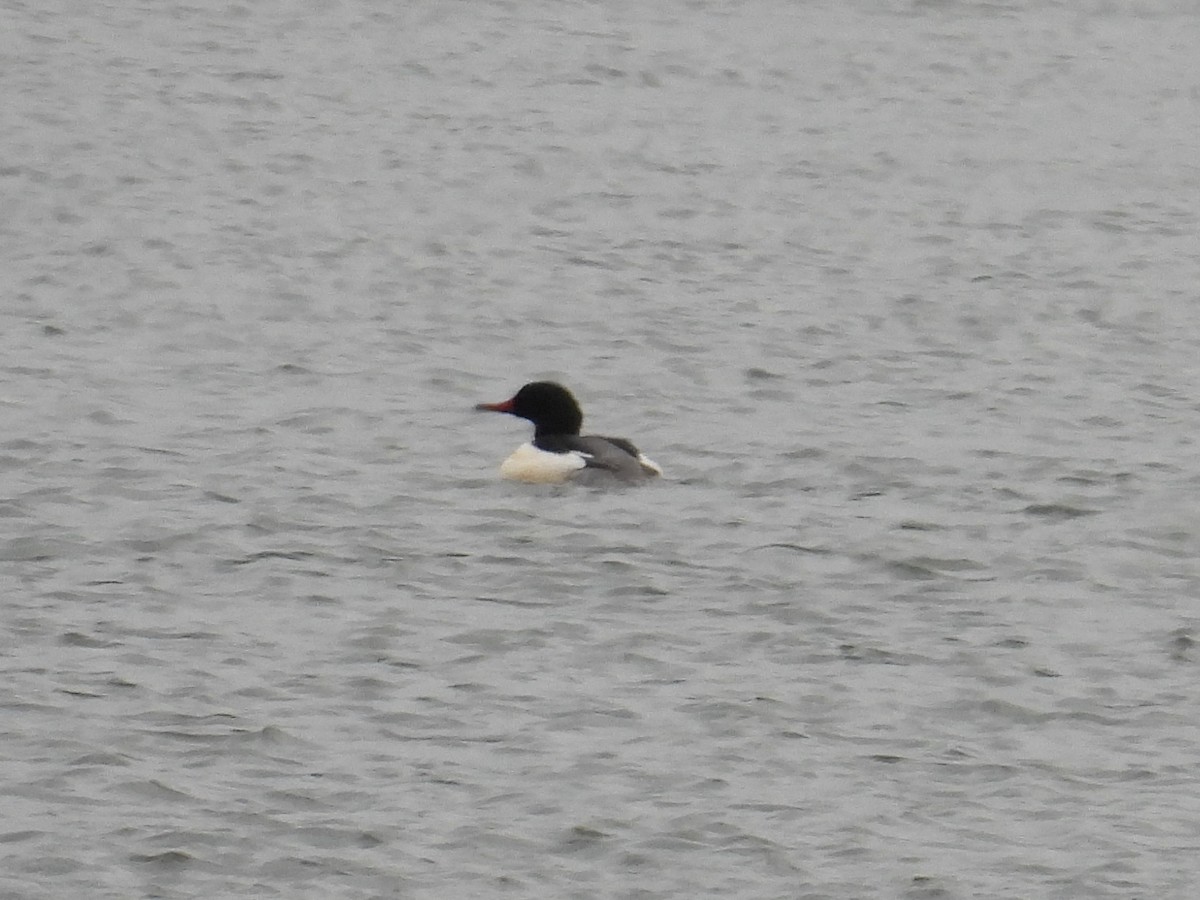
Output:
x,y
558,452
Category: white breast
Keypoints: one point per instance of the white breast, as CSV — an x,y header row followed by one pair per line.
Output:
x,y
535,466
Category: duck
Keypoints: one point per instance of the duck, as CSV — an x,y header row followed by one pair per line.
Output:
x,y
558,453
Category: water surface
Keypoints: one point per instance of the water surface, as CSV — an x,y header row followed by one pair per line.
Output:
x,y
901,295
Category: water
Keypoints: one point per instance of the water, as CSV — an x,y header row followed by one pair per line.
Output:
x,y
901,295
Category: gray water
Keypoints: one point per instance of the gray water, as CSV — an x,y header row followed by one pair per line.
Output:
x,y
903,296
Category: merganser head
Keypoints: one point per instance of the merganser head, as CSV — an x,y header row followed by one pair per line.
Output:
x,y
550,407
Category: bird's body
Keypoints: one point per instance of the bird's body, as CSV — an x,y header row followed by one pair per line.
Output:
x,y
558,452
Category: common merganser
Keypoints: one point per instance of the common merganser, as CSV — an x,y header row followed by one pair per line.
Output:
x,y
558,452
